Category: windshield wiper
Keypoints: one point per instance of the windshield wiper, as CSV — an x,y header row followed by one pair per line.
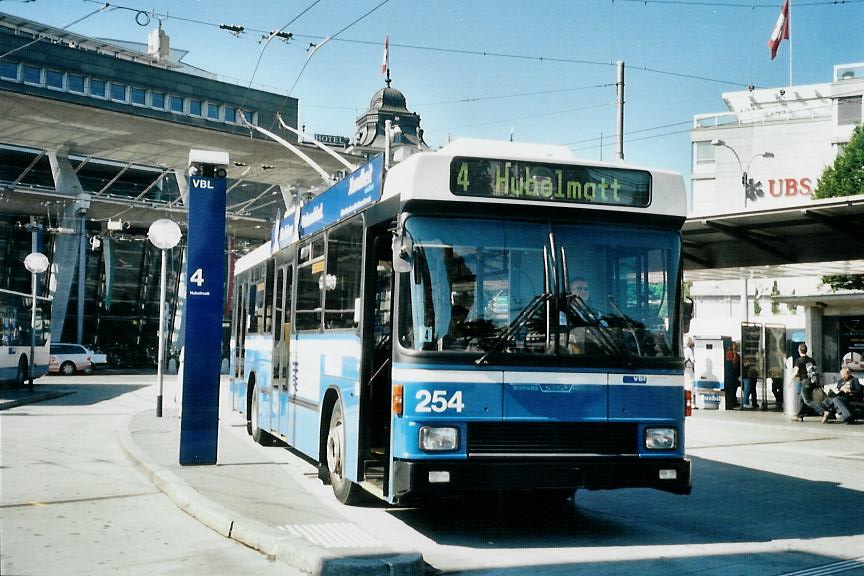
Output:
x,y
518,322
579,308
631,326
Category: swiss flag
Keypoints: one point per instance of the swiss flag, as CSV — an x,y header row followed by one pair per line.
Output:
x,y
781,30
385,62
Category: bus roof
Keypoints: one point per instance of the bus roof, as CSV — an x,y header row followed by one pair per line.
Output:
x,y
256,256
431,175
488,171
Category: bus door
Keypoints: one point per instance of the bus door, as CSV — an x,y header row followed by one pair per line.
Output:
x,y
239,338
282,347
378,352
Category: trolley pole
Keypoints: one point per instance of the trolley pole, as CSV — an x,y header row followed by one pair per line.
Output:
x,y
619,106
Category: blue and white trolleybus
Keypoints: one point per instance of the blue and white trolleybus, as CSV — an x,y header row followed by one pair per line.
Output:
x,y
488,317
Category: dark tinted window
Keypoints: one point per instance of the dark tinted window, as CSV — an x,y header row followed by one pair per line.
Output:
x,y
139,96
76,83
54,79
157,100
9,70
32,74
118,92
97,88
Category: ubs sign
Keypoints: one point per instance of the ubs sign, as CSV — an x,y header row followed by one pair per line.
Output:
x,y
790,187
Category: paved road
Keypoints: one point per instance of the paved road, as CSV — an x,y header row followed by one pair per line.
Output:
x,y
770,497
72,504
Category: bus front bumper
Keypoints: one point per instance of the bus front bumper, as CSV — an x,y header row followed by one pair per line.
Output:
x,y
440,477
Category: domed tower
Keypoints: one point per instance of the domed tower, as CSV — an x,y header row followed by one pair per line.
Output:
x,y
389,104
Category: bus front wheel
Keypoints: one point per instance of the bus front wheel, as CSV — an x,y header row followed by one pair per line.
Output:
x,y
344,489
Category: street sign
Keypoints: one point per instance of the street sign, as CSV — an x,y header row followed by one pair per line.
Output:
x,y
205,281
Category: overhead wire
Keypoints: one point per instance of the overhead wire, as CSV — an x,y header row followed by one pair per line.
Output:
x,y
458,51
517,95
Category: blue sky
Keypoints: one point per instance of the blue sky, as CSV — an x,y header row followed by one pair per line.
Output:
x,y
477,68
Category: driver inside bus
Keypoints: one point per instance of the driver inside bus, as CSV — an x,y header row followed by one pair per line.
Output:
x,y
579,339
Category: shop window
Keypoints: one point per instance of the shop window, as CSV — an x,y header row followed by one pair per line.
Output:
x,y
849,111
157,100
177,104
32,74
9,70
342,282
139,96
97,88
54,79
118,92
76,83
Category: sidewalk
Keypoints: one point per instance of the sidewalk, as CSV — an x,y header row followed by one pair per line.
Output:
x,y
254,500
780,421
249,496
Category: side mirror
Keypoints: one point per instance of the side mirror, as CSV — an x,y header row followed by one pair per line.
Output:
x,y
403,250
686,314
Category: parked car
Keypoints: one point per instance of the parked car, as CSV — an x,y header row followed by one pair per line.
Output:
x,y
68,359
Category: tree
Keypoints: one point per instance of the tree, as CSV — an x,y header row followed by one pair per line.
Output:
x,y
844,178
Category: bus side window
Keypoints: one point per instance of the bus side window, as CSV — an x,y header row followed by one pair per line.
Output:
x,y
310,274
251,306
277,321
342,281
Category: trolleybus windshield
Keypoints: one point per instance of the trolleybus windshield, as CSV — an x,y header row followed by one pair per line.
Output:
x,y
475,282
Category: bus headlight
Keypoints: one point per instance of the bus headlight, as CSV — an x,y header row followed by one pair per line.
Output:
x,y
438,438
661,438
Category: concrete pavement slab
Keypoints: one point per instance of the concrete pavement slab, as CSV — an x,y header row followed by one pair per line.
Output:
x,y
246,497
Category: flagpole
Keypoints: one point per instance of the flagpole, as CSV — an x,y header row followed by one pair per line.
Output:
x,y
789,28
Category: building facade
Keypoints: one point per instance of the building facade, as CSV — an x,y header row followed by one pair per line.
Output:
x,y
94,142
766,152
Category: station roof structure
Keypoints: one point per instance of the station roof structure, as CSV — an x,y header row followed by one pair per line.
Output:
x,y
111,142
820,238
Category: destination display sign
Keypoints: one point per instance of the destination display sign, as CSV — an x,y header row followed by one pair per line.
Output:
x,y
350,195
541,181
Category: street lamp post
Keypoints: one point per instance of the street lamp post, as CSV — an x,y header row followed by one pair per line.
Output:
x,y
744,177
36,263
163,234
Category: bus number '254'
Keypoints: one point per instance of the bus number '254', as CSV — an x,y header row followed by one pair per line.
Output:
x,y
437,401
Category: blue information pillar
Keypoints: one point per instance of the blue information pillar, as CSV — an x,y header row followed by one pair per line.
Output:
x,y
205,288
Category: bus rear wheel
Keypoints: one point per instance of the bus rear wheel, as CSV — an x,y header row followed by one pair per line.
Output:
x,y
260,436
23,371
344,489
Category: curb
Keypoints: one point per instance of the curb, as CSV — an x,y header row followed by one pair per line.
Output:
x,y
291,550
33,399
